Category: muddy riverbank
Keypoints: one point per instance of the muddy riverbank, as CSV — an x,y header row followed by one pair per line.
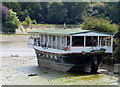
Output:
x,y
16,70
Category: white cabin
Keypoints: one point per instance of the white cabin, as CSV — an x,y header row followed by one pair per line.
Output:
x,y
70,40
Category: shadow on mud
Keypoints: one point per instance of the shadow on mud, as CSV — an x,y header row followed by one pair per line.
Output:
x,y
50,73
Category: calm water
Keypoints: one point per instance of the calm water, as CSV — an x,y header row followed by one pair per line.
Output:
x,y
15,70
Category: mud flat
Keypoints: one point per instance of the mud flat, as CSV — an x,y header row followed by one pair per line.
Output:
x,y
23,69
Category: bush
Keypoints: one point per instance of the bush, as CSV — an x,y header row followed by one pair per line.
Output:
x,y
27,21
11,23
99,24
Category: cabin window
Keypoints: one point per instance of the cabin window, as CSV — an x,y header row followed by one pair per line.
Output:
x,y
78,41
41,38
46,39
50,41
53,38
63,42
58,42
105,41
91,41
53,44
68,41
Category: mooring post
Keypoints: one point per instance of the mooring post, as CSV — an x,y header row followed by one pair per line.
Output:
x,y
117,68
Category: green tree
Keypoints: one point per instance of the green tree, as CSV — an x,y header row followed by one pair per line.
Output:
x,y
27,21
112,11
74,11
56,13
15,6
95,10
106,10
99,24
11,23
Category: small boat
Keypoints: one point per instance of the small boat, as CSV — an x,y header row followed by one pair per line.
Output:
x,y
70,49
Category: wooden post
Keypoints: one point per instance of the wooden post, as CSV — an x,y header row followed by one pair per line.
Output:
x,y
56,41
98,41
70,42
40,40
65,41
60,43
43,39
112,43
84,41
48,40
51,41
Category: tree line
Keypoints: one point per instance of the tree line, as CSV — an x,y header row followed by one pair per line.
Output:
x,y
64,12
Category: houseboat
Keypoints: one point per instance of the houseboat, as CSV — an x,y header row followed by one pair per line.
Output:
x,y
70,49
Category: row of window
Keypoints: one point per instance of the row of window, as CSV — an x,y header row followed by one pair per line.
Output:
x,y
91,41
77,41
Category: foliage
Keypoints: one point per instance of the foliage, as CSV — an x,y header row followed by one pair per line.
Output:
x,y
95,10
15,6
11,23
108,10
99,24
116,53
54,15
49,12
117,36
64,12
28,21
112,11
4,11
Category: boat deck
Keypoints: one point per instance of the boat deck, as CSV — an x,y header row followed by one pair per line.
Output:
x,y
52,51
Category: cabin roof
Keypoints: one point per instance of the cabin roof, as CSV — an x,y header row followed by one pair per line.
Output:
x,y
64,31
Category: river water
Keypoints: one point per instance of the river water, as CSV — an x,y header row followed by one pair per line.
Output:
x,y
18,61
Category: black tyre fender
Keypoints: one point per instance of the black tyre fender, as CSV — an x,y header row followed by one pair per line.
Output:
x,y
94,64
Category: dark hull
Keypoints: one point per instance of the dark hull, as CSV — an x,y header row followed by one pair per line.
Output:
x,y
69,62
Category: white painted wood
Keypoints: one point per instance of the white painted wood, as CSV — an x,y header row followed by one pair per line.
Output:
x,y
51,40
48,40
60,43
88,49
56,41
73,49
40,39
98,41
105,43
112,43
70,42
65,41
43,39
84,41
